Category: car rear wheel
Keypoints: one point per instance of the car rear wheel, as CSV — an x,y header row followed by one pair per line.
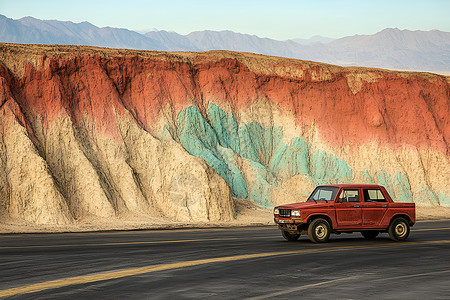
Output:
x,y
399,229
290,236
370,234
319,231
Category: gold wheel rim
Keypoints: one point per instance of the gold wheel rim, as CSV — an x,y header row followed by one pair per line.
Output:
x,y
400,230
321,231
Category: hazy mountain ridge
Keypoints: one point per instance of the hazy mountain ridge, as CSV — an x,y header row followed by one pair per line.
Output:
x,y
401,49
390,48
29,30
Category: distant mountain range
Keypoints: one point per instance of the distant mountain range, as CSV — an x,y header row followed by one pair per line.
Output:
x,y
390,48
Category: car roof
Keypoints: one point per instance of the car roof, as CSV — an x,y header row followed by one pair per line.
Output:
x,y
354,185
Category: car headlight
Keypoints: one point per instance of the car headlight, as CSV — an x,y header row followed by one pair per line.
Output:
x,y
295,213
276,211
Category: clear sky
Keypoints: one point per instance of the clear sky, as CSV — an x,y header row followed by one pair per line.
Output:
x,y
277,19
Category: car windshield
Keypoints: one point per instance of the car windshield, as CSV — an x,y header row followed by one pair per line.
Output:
x,y
324,193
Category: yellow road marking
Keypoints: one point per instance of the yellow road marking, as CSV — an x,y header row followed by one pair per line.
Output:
x,y
149,269
430,229
114,244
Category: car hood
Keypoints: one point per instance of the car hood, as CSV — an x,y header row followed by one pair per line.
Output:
x,y
307,204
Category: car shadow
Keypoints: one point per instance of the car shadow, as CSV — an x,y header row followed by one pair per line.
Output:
x,y
352,239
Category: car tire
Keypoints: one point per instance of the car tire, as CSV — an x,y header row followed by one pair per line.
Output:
x,y
399,229
289,236
319,231
370,234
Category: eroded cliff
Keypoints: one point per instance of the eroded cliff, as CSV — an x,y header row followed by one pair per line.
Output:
x,y
98,132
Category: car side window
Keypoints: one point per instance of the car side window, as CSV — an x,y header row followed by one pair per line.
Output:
x,y
349,196
373,195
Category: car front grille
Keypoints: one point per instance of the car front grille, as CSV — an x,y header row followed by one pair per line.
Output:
x,y
284,213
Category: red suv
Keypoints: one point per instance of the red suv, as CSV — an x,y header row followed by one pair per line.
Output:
x,y
346,208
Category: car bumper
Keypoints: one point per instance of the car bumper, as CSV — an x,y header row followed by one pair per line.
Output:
x,y
290,225
289,221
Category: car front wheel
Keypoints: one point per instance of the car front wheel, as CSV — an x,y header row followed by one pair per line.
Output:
x,y
319,231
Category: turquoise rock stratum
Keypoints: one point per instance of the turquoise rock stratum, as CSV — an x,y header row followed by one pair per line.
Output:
x,y
227,146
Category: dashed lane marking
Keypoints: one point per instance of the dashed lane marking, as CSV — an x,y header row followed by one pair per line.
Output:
x,y
308,286
300,288
53,284
156,242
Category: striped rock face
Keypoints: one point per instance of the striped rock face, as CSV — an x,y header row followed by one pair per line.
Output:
x,y
113,133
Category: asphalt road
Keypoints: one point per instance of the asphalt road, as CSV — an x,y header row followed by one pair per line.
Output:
x,y
236,263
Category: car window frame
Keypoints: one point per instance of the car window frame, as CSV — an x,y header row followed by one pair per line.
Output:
x,y
338,197
379,192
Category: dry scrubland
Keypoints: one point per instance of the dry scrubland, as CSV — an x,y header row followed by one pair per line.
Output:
x,y
97,139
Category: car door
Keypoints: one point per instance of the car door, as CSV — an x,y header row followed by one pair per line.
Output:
x,y
374,207
348,208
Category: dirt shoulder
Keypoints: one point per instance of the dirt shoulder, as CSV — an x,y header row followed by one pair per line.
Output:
x,y
432,213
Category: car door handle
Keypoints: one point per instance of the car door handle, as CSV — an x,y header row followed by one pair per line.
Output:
x,y
357,206
383,205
